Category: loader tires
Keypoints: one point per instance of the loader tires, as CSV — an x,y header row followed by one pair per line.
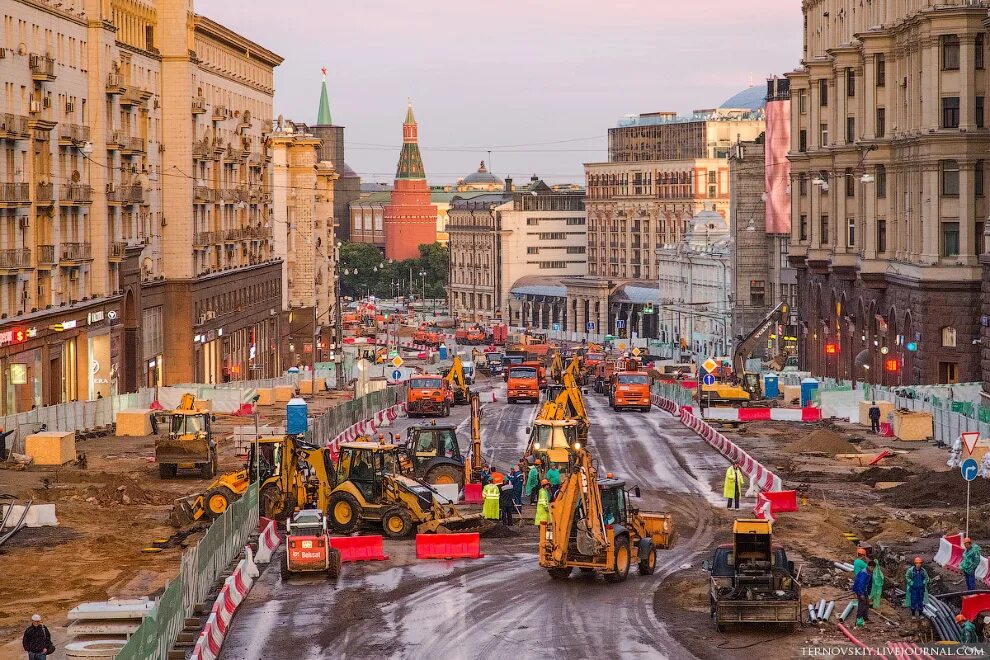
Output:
x,y
217,500
345,512
167,470
286,573
333,570
647,557
620,569
208,470
397,523
445,474
274,503
559,573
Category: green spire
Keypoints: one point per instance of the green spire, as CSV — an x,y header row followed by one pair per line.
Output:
x,y
410,161
410,118
323,117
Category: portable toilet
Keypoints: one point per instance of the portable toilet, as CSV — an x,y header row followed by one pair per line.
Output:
x,y
808,388
443,352
771,388
296,416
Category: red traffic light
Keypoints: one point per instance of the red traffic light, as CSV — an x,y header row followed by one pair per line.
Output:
x,y
892,364
831,348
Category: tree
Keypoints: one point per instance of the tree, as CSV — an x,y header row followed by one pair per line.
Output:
x,y
363,269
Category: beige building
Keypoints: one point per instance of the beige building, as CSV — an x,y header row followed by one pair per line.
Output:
x,y
498,238
114,210
888,149
304,239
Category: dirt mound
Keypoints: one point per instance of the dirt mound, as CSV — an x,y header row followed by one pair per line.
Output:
x,y
822,440
897,531
874,474
937,489
500,531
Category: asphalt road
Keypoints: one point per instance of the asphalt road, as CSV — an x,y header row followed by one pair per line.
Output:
x,y
504,604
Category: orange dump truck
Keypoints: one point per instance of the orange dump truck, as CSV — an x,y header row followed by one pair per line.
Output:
x,y
631,389
428,394
523,382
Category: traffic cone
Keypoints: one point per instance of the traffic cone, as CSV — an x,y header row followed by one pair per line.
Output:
x,y
494,397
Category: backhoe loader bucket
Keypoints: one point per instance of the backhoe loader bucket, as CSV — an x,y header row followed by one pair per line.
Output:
x,y
186,511
474,522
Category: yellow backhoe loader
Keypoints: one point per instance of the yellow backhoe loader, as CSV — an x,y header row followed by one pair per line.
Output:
x,y
184,439
593,527
455,378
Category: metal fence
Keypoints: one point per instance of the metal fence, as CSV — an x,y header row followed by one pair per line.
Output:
x,y
947,424
330,424
674,392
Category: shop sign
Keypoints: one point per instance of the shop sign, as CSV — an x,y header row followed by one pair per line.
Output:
x,y
31,333
63,326
112,316
94,317
18,374
13,336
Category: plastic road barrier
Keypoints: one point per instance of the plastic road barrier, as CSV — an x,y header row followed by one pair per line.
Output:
x,y
472,494
359,548
449,546
267,542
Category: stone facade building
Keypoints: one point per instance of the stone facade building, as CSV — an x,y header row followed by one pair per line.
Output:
x,y
888,152
114,211
410,218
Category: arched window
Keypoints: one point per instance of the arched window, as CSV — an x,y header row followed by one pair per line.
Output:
x,y
948,337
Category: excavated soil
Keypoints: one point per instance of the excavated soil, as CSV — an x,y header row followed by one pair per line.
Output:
x,y
875,474
824,441
937,489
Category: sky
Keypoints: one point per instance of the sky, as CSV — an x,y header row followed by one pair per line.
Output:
x,y
536,82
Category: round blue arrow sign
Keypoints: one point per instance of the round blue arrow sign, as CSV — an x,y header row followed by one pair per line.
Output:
x,y
970,469
708,379
396,375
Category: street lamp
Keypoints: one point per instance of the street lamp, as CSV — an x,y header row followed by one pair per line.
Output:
x,y
422,274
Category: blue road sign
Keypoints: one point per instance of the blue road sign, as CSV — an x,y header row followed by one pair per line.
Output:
x,y
619,324
556,327
970,469
708,379
396,374
591,326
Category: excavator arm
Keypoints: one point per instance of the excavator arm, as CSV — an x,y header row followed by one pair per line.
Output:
x,y
746,346
455,378
579,503
474,463
556,367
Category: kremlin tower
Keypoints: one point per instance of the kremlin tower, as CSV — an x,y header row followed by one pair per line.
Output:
x,y
410,218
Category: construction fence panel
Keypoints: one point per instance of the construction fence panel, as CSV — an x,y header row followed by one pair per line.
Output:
x,y
157,633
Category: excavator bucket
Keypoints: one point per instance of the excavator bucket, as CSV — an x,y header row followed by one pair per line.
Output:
x,y
457,525
187,510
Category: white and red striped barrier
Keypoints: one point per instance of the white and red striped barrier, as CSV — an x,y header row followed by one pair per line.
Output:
x,y
665,404
235,590
764,414
268,540
365,427
950,554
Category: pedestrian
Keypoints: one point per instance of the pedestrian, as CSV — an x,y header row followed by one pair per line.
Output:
x,y
874,414
516,480
970,562
553,476
876,590
860,563
862,584
543,504
506,503
490,495
916,588
37,640
734,482
969,635
533,481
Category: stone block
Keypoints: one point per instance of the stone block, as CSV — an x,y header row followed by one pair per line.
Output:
x,y
134,422
51,447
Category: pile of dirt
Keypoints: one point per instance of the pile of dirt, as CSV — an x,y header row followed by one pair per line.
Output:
x,y
824,441
500,531
874,474
946,488
898,531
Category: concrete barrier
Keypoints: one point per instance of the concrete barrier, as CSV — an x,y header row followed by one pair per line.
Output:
x,y
39,515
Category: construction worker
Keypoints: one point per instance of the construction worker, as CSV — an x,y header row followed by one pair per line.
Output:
x,y
862,584
553,476
860,563
533,481
490,495
734,482
516,479
916,588
969,635
37,641
876,590
970,562
543,504
506,503
874,413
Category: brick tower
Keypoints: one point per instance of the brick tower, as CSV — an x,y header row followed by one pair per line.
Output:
x,y
410,218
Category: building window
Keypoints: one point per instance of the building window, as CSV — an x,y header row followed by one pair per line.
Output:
x,y
823,135
824,228
823,92
851,232
978,178
950,239
948,337
803,184
850,183
979,111
950,177
850,82
950,112
881,235
881,122
532,250
757,293
575,221
881,70
712,176
803,102
803,228
980,47
552,236
575,249
803,140
532,222
850,129
880,180
950,52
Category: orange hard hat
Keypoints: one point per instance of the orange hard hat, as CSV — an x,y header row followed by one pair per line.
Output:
x,y
917,560
861,552
539,462
960,618
545,482
967,540
497,478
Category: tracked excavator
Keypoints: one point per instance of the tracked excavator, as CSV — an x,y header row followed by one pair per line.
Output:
x,y
744,349
458,383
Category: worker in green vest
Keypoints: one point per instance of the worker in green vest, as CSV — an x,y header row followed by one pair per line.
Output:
x,y
543,504
490,495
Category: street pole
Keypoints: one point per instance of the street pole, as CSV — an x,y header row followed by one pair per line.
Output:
x,y
316,346
968,483
338,334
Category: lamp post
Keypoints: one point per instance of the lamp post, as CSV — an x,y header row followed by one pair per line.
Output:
x,y
422,274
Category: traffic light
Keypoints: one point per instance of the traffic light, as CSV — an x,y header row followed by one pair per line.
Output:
x,y
831,348
892,365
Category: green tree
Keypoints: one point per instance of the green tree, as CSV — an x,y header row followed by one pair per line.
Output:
x,y
363,269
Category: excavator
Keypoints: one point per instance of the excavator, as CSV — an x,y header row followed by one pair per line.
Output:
x,y
432,452
186,441
744,349
560,427
593,527
458,383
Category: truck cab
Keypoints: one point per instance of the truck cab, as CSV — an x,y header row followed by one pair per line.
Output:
x,y
523,383
428,394
631,389
434,454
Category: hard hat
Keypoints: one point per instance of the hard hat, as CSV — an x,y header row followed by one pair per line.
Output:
x,y
539,462
960,618
917,560
36,617
861,552
967,540
609,475
545,482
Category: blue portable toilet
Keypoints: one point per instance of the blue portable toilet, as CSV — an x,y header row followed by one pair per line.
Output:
x,y
443,352
771,387
296,416
808,388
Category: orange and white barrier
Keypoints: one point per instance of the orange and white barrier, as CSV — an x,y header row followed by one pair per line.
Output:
x,y
267,542
764,414
235,590
365,427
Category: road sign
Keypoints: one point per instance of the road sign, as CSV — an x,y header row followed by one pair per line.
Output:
x,y
396,375
709,365
708,379
556,327
622,345
970,469
636,352
970,438
590,326
619,324
397,361
393,353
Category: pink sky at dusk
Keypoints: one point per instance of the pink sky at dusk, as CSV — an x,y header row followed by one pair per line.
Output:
x,y
515,72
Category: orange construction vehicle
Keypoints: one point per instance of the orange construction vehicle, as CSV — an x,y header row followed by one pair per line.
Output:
x,y
523,382
630,389
428,394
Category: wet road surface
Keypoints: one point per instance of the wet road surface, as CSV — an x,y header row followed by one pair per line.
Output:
x,y
503,604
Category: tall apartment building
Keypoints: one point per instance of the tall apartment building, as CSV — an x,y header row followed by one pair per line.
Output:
x,y
662,170
499,238
134,184
888,152
305,241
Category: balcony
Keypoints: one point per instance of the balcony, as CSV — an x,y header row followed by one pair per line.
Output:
x,y
13,127
204,238
204,195
42,68
132,146
259,233
229,195
71,134
134,194
113,84
255,160
233,153
234,235
198,105
134,96
115,140
46,256
220,113
14,194
74,254
76,193
116,194
118,249
44,192
14,259
201,150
